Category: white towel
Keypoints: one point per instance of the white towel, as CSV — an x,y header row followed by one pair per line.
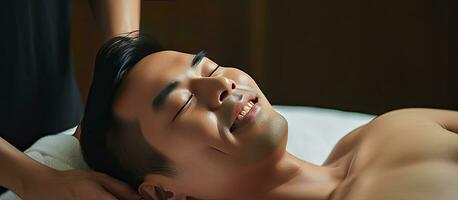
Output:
x,y
61,152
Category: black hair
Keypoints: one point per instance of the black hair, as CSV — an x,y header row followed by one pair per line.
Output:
x,y
114,60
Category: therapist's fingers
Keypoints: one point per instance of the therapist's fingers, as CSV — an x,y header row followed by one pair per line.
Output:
x,y
117,188
105,195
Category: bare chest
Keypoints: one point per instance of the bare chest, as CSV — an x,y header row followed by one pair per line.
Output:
x,y
406,163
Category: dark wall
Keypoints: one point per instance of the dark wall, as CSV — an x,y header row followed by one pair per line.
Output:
x,y
369,56
366,56
452,21
218,27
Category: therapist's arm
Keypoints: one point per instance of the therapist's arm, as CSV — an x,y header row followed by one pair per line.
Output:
x,y
116,17
32,180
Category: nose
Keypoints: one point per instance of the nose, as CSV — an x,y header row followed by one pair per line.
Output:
x,y
212,90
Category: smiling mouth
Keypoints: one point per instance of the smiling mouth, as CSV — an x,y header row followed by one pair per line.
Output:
x,y
241,120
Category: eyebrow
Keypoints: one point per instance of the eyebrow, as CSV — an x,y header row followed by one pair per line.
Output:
x,y
159,100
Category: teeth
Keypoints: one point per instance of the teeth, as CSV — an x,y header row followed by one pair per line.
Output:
x,y
245,110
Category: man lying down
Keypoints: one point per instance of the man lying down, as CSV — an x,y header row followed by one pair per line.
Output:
x,y
181,126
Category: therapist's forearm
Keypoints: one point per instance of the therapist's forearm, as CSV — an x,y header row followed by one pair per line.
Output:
x,y
15,166
30,179
116,17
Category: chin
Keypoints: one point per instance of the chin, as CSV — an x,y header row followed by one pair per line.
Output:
x,y
270,139
280,131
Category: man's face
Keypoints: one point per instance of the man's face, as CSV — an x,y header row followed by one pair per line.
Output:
x,y
213,123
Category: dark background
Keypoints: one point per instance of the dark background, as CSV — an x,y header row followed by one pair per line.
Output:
x,y
355,55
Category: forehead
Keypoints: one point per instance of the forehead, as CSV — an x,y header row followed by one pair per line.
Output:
x,y
160,64
156,70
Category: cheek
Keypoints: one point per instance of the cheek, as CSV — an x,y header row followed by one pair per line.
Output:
x,y
199,125
194,134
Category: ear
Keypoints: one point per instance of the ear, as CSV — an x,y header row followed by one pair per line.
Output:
x,y
148,191
159,187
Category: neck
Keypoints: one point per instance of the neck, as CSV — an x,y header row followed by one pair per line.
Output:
x,y
294,179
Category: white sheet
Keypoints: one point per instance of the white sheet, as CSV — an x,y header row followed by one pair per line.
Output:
x,y
313,132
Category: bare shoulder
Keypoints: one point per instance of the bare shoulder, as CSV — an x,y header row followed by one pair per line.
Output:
x,y
418,118
404,129
446,118
405,154
426,133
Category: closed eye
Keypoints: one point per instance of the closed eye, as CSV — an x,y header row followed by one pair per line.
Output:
x,y
190,97
182,107
213,71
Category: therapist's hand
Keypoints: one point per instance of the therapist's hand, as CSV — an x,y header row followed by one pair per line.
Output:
x,y
75,184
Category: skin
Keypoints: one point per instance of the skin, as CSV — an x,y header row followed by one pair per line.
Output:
x,y
403,154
